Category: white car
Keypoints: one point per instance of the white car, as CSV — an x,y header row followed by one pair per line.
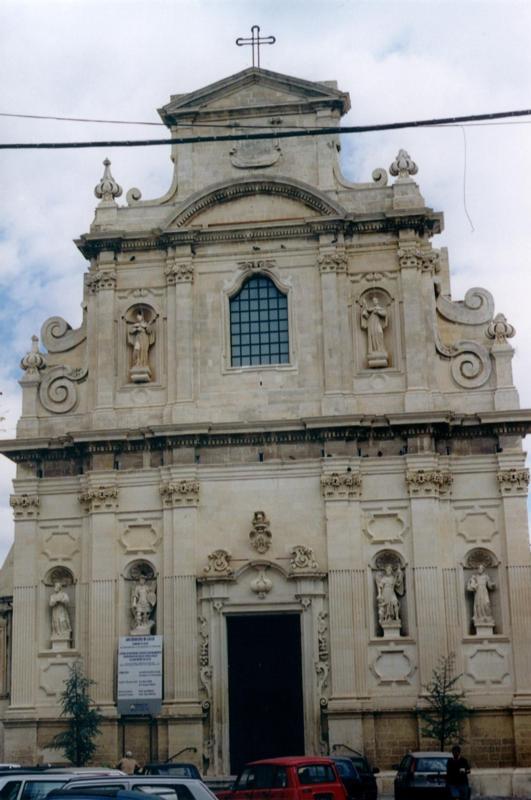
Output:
x,y
170,788
22,785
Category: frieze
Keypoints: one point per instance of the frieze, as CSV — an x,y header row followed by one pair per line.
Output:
x,y
333,262
99,498
180,493
180,272
302,561
513,481
341,485
25,506
104,279
219,565
426,483
258,265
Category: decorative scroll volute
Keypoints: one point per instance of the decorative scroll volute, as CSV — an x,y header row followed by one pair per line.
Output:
x,y
219,565
58,391
302,561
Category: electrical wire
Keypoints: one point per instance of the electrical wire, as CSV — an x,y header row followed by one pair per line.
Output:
x,y
277,134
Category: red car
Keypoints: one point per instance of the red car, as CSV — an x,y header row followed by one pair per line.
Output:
x,y
288,778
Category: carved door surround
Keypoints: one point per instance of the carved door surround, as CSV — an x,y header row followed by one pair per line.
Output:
x,y
259,587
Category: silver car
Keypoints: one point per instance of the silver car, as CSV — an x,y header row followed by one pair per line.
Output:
x,y
170,788
20,785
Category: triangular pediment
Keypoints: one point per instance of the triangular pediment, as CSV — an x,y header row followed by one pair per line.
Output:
x,y
254,89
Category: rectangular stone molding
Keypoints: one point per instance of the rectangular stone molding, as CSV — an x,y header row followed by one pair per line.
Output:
x,y
24,647
103,638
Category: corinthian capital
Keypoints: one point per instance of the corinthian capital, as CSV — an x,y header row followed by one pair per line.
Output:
x,y
429,482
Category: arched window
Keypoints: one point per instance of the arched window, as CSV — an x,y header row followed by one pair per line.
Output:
x,y
259,324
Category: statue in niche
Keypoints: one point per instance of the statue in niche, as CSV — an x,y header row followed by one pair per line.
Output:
x,y
390,587
141,336
61,626
143,602
480,584
374,318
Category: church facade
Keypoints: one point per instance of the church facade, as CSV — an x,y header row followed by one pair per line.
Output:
x,y
277,442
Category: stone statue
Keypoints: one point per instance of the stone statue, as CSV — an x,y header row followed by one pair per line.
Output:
x,y
143,602
389,585
60,618
374,320
480,583
141,336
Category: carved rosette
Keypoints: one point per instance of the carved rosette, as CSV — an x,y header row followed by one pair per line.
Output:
x,y
99,498
429,482
102,279
179,272
513,481
25,506
219,565
341,485
333,262
180,493
260,533
302,561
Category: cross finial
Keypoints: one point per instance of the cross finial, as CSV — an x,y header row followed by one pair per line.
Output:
x,y
255,40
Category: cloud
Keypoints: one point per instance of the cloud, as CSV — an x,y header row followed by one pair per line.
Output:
x,y
399,60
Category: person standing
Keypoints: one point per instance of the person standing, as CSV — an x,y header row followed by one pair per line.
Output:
x,y
128,764
457,770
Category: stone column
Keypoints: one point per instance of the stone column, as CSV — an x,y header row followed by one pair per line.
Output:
x,y
425,485
101,283
513,482
347,599
332,260
99,498
416,333
26,511
180,277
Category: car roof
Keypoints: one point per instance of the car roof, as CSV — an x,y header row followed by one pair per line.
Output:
x,y
162,779
430,754
292,761
171,764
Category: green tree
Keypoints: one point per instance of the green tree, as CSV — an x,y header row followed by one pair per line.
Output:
x,y
446,711
77,741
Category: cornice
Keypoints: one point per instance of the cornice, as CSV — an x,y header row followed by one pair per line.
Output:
x,y
91,244
440,426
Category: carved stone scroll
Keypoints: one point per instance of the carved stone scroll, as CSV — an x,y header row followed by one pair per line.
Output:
x,y
219,564
58,391
59,337
302,561
476,309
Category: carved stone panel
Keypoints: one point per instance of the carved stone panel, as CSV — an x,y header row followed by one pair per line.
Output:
x,y
477,524
429,482
180,493
139,537
99,498
385,526
25,506
60,545
219,565
392,666
340,485
487,665
52,677
513,481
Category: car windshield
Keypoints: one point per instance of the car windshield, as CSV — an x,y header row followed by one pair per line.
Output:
x,y
346,769
360,764
35,790
431,765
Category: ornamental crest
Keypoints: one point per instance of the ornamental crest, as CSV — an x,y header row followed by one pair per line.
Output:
x,y
302,560
219,564
260,534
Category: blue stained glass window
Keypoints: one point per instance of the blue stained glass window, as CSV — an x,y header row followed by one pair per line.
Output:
x,y
259,307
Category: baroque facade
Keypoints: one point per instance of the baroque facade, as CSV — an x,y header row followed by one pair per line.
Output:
x,y
273,410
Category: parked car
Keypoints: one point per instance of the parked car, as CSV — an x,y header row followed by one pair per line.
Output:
x,y
350,778
366,771
173,769
36,784
287,778
171,788
421,774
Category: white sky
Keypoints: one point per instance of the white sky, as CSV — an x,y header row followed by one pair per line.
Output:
x,y
120,59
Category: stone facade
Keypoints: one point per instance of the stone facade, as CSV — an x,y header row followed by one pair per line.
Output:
x,y
361,482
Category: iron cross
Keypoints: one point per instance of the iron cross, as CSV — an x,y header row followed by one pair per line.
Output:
x,y
255,40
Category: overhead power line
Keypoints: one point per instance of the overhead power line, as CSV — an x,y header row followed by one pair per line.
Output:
x,y
277,134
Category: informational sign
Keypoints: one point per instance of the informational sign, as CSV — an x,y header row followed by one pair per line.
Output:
x,y
139,675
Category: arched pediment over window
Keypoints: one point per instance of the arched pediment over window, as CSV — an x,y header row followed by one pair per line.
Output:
x,y
293,200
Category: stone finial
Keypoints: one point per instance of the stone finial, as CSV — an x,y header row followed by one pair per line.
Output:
x,y
403,167
107,189
500,330
34,360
